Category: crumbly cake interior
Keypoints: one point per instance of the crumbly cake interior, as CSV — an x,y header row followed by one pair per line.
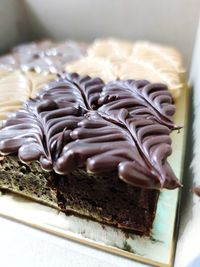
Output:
x,y
27,180
102,198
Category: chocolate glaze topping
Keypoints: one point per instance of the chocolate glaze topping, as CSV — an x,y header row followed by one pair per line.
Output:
x,y
80,122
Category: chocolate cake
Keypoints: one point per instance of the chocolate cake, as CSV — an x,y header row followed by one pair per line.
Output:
x,y
93,148
44,56
113,59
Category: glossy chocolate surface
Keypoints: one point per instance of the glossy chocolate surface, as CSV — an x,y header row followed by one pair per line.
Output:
x,y
81,122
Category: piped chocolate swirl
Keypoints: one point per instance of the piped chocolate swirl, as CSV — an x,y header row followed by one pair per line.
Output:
x,y
79,122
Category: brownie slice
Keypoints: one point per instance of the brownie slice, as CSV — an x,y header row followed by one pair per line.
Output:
x,y
109,200
99,150
103,198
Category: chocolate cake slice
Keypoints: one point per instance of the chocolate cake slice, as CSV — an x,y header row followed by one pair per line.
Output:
x,y
99,150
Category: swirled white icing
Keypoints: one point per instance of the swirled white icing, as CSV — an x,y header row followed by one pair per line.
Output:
x,y
17,87
110,48
114,59
94,67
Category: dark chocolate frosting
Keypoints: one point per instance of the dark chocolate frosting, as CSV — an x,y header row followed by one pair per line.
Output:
x,y
80,122
44,56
